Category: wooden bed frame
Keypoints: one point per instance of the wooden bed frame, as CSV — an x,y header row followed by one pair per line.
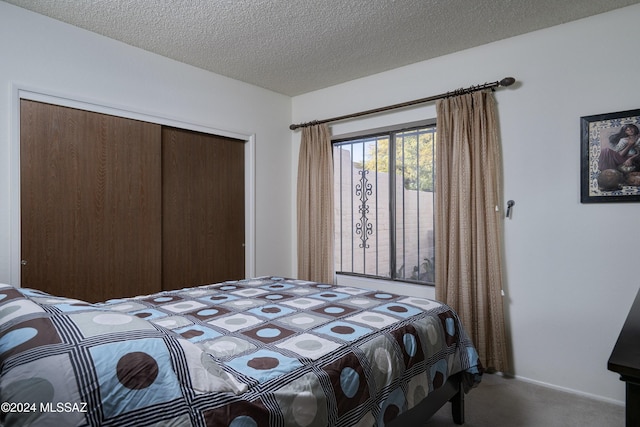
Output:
x,y
451,391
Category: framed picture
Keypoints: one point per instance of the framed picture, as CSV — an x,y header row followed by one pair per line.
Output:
x,y
610,157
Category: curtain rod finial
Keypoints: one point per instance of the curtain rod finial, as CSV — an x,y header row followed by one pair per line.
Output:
x,y
507,81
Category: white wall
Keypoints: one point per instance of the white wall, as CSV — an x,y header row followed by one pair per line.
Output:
x,y
571,268
51,57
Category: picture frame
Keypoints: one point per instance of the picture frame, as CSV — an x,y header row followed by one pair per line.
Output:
x,y
610,157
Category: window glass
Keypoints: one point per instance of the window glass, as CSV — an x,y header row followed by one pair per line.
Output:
x,y
383,188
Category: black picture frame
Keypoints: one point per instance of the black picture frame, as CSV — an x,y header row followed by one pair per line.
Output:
x,y
604,178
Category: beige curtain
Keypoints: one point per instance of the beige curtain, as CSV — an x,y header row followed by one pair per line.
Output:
x,y
315,205
468,221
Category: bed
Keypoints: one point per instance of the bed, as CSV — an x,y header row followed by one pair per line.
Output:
x,y
260,352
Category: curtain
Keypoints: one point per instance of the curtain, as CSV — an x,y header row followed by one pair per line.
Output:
x,y
315,205
468,220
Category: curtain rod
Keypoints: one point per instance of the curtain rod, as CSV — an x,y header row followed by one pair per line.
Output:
x,y
507,81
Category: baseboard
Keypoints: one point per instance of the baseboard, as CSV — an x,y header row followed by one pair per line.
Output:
x,y
564,389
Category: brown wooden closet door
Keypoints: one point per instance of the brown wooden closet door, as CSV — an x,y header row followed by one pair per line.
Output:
x,y
90,203
202,208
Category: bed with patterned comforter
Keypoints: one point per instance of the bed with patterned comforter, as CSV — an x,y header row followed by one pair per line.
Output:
x,y
252,353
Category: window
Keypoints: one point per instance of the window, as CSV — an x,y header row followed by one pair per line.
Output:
x,y
384,197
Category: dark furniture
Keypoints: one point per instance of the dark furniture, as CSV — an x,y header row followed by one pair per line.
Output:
x,y
625,360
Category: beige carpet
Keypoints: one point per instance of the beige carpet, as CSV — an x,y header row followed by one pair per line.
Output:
x,y
499,401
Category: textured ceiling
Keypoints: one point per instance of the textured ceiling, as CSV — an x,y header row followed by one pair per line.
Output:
x,y
296,46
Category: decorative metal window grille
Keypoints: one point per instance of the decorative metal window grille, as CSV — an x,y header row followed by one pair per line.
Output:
x,y
363,190
384,193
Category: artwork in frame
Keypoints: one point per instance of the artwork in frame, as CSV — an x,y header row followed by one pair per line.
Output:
x,y
610,157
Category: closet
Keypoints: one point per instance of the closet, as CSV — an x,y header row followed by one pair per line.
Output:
x,y
114,207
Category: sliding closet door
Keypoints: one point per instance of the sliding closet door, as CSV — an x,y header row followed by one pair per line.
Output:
x,y
202,209
90,203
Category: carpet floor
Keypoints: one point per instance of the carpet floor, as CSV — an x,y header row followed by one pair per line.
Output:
x,y
501,401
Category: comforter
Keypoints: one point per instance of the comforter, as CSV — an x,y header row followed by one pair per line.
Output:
x,y
259,352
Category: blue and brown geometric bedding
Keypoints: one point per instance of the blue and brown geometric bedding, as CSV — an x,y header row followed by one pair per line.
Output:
x,y
257,352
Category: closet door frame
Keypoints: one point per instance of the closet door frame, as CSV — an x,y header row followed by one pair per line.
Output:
x,y
22,92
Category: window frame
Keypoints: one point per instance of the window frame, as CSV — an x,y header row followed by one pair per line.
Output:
x,y
390,132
